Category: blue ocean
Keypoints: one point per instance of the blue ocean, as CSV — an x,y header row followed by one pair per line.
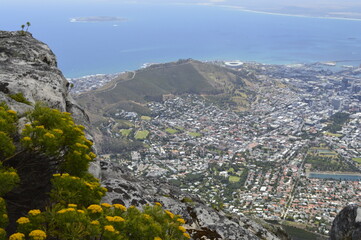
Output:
x,y
162,33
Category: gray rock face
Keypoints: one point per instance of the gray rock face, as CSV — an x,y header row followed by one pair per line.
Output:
x,y
203,222
347,224
28,66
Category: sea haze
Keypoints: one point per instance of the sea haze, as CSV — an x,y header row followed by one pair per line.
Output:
x,y
162,33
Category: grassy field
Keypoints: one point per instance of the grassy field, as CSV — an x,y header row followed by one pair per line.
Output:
x,y
195,134
234,179
146,118
141,135
125,132
358,160
171,130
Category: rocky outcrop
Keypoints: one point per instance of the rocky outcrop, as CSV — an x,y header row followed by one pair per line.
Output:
x,y
29,67
347,224
203,222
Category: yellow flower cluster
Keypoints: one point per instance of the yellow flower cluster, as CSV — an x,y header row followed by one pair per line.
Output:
x,y
23,220
72,205
107,205
11,112
80,211
157,238
49,135
186,235
181,228
120,206
181,220
115,219
94,208
146,216
109,228
81,145
37,235
66,210
34,212
158,204
95,222
169,213
26,139
17,236
40,127
58,131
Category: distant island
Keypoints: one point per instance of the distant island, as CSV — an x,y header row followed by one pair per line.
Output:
x,y
98,19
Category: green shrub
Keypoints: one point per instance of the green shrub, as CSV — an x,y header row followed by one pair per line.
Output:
x,y
54,133
19,97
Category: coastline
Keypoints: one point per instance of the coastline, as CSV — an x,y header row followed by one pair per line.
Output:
x,y
240,8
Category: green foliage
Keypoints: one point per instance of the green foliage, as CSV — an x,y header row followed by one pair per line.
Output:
x,y
8,120
54,133
19,97
81,191
105,222
74,211
8,179
4,220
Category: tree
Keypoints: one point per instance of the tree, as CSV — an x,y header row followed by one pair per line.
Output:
x,y
28,25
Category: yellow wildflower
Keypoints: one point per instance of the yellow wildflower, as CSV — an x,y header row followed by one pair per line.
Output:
x,y
56,175
2,232
58,131
26,139
107,205
34,212
182,221
88,142
87,157
157,238
67,113
170,214
94,208
40,127
146,216
118,219
72,205
70,209
81,145
65,175
27,125
95,222
23,220
92,155
181,228
109,228
17,236
11,111
77,153
37,235
109,218
120,206
62,211
158,204
5,216
186,235
49,135
80,211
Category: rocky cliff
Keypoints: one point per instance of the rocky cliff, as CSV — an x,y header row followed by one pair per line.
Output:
x,y
347,224
28,67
